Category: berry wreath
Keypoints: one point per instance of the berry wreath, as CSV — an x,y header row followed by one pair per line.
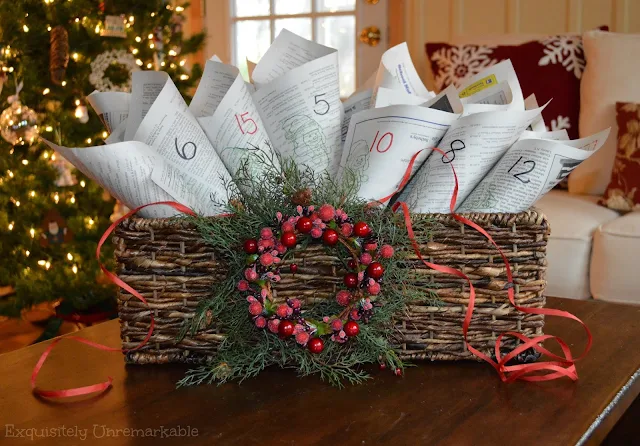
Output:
x,y
331,227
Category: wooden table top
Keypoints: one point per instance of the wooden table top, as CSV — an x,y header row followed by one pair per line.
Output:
x,y
445,403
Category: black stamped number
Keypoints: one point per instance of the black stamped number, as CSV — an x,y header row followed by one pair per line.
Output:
x,y
321,109
456,144
529,165
187,151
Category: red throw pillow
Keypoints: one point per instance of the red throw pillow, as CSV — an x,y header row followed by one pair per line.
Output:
x,y
551,68
623,191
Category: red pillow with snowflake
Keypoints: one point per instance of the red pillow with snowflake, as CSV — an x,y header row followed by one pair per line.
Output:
x,y
551,68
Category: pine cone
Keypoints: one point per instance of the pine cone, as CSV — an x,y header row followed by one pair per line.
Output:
x,y
302,197
58,54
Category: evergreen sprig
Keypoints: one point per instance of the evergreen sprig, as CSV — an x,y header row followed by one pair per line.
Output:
x,y
246,351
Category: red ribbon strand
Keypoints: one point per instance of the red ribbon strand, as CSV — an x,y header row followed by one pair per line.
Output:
x,y
561,367
101,387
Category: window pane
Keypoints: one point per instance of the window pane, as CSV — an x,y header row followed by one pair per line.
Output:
x,y
252,39
339,32
292,6
301,27
335,5
249,8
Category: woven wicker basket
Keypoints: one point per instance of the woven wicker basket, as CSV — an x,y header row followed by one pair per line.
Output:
x,y
171,266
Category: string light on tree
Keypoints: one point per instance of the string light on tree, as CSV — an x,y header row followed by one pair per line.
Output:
x,y
81,113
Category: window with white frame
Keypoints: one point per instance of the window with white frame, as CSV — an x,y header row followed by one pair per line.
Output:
x,y
256,23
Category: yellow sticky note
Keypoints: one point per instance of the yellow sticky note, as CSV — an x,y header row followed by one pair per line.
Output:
x,y
480,85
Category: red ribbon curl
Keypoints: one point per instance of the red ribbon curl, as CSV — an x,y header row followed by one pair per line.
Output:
x,y
562,366
101,387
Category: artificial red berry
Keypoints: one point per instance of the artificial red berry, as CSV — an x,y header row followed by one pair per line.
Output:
x,y
288,239
375,270
352,264
293,268
304,225
351,328
361,229
315,345
250,246
330,237
398,372
285,329
351,280
383,366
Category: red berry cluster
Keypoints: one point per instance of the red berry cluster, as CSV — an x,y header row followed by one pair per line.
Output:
x,y
329,226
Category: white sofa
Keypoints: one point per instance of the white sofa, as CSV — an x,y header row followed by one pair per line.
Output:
x,y
593,251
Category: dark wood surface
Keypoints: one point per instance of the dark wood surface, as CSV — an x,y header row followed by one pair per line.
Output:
x,y
435,403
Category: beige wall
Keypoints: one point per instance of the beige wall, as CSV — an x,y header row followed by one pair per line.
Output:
x,y
459,21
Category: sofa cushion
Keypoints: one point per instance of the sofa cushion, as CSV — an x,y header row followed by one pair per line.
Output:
x,y
623,191
611,75
573,220
614,264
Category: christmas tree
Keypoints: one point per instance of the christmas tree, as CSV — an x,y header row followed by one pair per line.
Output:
x,y
53,53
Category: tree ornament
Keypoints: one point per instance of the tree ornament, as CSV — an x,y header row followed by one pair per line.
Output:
x,y
375,270
114,26
285,329
351,280
58,54
19,124
54,230
289,239
316,345
330,237
65,171
176,23
304,225
361,229
112,70
119,211
82,114
352,329
250,246
158,43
